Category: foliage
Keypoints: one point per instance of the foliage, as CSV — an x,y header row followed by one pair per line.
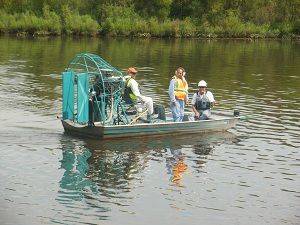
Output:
x,y
159,18
153,8
181,9
296,27
52,21
29,23
74,23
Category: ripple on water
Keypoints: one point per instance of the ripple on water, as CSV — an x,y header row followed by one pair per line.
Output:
x,y
253,174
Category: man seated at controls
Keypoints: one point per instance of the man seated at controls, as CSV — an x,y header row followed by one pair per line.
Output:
x,y
132,93
202,102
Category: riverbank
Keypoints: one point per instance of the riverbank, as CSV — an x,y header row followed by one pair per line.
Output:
x,y
147,35
250,36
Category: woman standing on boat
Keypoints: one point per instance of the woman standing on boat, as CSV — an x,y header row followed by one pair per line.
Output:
x,y
202,102
132,91
178,92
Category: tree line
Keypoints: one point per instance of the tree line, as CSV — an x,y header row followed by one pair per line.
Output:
x,y
156,18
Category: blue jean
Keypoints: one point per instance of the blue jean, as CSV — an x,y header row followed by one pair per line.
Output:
x,y
178,110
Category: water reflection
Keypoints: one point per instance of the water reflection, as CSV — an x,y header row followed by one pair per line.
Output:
x,y
106,174
176,166
118,179
75,164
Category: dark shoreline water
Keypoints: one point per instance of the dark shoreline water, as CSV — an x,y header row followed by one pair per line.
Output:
x,y
245,176
203,37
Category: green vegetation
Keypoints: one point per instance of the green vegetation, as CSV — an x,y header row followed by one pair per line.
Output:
x,y
155,18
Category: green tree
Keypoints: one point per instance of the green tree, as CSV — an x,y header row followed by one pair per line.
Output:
x,y
288,10
181,9
155,8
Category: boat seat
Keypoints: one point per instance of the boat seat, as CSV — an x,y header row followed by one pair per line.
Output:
x,y
185,118
129,105
94,112
160,111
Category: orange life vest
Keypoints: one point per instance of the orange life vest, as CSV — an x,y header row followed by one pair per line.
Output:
x,y
181,88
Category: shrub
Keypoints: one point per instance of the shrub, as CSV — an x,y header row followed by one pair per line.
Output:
x,y
117,20
296,27
232,25
187,28
168,29
52,22
73,23
154,27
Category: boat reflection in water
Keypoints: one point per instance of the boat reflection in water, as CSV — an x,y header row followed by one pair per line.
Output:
x,y
179,157
176,166
106,174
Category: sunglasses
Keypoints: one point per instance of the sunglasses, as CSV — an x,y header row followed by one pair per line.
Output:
x,y
202,87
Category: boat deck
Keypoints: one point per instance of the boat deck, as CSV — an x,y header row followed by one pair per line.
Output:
x,y
189,116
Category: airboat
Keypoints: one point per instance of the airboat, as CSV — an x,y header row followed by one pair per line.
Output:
x,y
93,106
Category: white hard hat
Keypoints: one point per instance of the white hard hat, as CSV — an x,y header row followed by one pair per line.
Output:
x,y
202,83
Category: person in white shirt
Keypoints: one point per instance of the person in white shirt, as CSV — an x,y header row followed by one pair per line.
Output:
x,y
132,92
202,102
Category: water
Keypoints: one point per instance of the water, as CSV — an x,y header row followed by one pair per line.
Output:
x,y
245,176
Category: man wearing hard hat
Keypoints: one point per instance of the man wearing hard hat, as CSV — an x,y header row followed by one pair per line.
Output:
x,y
202,102
132,90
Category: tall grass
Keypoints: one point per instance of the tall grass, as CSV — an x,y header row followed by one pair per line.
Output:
x,y
231,26
73,23
124,21
49,23
29,23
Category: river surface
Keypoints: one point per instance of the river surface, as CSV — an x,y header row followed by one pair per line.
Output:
x,y
248,175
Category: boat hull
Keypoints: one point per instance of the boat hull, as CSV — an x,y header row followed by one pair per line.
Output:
x,y
150,129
